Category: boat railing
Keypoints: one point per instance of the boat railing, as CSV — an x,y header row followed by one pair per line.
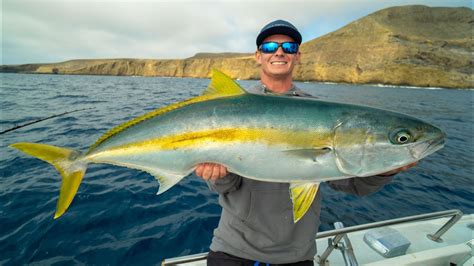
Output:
x,y
345,246
339,234
184,259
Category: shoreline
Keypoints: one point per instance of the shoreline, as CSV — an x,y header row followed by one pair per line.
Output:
x,y
379,85
411,45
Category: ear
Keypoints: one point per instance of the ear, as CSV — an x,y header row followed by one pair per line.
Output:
x,y
298,57
258,57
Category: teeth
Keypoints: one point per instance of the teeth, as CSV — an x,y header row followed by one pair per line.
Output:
x,y
278,63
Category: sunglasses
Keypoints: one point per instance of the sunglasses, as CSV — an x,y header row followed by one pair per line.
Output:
x,y
271,47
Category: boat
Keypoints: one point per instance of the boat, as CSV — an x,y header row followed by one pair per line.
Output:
x,y
437,238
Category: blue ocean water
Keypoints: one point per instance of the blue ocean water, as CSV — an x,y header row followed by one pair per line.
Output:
x,y
117,218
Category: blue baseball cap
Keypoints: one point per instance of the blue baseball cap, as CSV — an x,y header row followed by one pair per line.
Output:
x,y
279,27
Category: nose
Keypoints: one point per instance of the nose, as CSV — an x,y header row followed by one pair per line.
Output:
x,y
279,52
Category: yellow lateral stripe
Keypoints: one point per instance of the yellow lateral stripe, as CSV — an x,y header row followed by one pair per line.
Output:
x,y
294,140
220,86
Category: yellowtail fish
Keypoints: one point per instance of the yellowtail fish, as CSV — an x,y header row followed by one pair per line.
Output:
x,y
297,140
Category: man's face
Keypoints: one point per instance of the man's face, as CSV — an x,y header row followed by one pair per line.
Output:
x,y
277,64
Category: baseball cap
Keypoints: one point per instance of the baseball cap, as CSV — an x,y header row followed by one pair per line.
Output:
x,y
279,27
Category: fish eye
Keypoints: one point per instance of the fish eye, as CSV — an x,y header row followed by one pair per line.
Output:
x,y
401,136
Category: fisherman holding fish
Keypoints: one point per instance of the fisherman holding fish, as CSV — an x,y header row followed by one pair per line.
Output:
x,y
256,224
283,142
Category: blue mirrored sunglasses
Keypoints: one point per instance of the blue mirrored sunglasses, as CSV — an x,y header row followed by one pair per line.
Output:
x,y
271,47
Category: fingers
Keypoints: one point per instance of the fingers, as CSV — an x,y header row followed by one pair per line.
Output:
x,y
200,169
211,171
222,171
207,172
216,172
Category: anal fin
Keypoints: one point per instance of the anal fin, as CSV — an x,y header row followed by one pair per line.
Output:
x,y
302,196
165,178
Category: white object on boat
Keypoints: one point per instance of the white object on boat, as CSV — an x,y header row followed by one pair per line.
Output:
x,y
387,241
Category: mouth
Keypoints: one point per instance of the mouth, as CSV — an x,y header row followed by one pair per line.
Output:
x,y
434,145
428,147
278,63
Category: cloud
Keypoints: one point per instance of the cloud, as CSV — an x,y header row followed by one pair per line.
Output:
x,y
52,31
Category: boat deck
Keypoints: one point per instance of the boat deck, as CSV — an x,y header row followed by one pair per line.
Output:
x,y
455,245
422,251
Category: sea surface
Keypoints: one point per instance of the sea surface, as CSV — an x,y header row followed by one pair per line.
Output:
x,y
116,216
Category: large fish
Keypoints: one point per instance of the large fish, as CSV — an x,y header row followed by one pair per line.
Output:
x,y
301,141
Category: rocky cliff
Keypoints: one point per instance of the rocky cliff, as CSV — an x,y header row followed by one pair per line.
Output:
x,y
408,45
414,45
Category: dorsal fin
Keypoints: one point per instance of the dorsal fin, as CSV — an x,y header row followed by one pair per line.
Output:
x,y
220,86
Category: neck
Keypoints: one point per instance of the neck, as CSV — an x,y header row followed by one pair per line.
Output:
x,y
277,85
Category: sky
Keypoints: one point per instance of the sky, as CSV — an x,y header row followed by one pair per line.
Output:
x,y
46,31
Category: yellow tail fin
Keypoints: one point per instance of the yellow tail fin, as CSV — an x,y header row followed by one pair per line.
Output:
x,y
68,164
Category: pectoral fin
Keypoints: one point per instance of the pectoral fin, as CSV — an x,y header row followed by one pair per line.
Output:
x,y
302,196
311,154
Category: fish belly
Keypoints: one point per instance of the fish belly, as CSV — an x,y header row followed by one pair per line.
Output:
x,y
252,160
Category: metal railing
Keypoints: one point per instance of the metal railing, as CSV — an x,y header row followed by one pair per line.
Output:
x,y
340,233
184,259
345,246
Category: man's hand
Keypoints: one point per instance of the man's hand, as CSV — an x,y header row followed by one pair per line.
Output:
x,y
398,170
211,171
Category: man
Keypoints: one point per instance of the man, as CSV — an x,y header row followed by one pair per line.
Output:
x,y
254,227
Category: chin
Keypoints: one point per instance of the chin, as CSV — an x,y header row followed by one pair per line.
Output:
x,y
279,68
281,72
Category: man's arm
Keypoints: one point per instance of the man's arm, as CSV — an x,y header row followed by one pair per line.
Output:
x,y
221,181
362,186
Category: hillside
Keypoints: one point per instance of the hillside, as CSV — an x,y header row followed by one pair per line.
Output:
x,y
415,45
407,45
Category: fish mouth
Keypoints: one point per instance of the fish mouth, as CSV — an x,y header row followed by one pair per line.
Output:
x,y
428,147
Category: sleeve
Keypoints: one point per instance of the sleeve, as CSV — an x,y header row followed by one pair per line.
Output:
x,y
230,182
360,186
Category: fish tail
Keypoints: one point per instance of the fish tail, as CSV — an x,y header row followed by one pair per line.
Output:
x,y
68,163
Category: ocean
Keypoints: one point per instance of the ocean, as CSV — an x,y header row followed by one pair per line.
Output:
x,y
116,216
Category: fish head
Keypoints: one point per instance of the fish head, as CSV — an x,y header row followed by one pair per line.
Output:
x,y
379,141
